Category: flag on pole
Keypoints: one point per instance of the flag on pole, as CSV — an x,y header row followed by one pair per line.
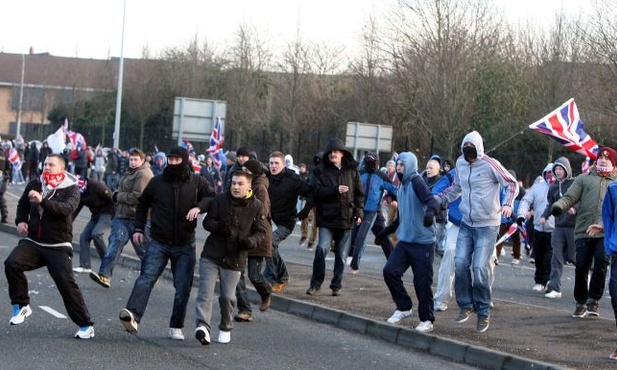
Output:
x,y
216,143
14,158
564,124
586,165
511,230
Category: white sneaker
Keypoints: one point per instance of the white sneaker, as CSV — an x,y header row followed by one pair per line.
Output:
x,y
176,334
440,306
538,288
85,332
397,316
516,261
128,321
224,337
82,270
553,294
202,334
425,326
20,314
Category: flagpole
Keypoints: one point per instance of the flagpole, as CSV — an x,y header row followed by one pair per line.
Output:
x,y
505,141
119,93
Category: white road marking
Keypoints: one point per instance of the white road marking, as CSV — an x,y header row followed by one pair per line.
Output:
x,y
52,312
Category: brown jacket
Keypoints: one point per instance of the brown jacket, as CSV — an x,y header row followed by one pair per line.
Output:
x,y
260,191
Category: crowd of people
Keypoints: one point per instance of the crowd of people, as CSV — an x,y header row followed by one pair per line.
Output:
x,y
460,211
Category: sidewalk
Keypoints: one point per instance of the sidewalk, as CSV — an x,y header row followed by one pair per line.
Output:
x,y
520,335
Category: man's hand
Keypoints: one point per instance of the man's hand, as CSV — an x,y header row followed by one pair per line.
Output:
x,y
506,211
35,196
22,228
520,221
429,218
138,238
193,213
594,229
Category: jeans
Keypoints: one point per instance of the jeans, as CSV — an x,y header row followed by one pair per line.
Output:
x,y
358,237
154,262
95,231
420,257
122,230
208,273
445,276
440,234
254,266
542,251
612,285
342,239
562,240
310,221
276,269
28,256
590,250
112,180
475,246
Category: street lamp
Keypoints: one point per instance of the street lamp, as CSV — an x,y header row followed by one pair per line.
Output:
x,y
21,94
119,93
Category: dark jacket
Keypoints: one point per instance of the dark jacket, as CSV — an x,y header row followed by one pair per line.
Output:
x,y
260,191
284,190
112,162
53,223
335,210
236,226
97,197
169,202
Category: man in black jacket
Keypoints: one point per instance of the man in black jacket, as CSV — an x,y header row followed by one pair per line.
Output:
x,y
285,187
175,199
44,217
339,198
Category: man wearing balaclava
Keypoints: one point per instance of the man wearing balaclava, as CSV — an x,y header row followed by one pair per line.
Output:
x,y
478,182
174,200
588,191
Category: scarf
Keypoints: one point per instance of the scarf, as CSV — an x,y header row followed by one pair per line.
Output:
x,y
53,179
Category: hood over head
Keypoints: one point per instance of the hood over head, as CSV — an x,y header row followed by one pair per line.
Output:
x,y
410,161
474,138
337,144
564,163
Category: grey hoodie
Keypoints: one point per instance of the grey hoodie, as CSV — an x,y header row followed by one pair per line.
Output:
x,y
536,198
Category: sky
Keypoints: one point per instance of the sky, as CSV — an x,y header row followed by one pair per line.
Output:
x,y
93,28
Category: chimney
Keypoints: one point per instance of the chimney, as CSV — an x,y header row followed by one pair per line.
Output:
x,y
31,50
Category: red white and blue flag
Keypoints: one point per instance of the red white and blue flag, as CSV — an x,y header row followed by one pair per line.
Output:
x,y
216,143
14,158
564,124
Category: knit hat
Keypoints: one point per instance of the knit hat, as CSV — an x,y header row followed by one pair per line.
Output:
x,y
243,152
253,166
180,152
609,153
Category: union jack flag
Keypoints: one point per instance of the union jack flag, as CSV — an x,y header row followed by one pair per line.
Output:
x,y
564,124
14,158
216,143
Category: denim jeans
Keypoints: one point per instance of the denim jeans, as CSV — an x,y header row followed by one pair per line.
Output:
x,y
612,285
276,269
208,274
475,246
420,258
254,266
562,241
182,268
95,231
590,250
358,237
122,230
342,238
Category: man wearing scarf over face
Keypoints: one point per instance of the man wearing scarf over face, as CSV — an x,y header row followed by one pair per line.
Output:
x,y
44,217
175,199
588,191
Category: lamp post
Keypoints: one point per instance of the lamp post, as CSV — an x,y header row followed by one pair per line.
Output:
x,y
119,93
21,95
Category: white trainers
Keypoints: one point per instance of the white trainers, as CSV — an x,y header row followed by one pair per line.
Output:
x,y
440,306
425,326
128,321
553,294
85,332
81,270
202,334
398,316
538,288
224,337
515,262
20,314
176,334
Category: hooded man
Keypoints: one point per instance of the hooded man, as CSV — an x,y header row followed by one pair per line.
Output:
x,y
173,200
158,163
44,218
339,198
478,181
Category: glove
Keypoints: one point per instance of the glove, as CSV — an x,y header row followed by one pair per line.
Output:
x,y
303,213
429,218
380,237
520,220
114,197
556,211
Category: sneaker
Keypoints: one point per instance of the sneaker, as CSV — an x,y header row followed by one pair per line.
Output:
x,y
613,356
398,316
128,321
463,315
85,332
553,294
224,337
482,325
312,291
82,270
592,309
538,288
302,241
20,314
440,306
244,317
265,303
100,279
176,334
277,288
580,311
425,326
497,261
354,271
336,292
516,262
202,334
309,247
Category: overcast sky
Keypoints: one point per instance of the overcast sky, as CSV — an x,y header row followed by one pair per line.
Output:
x,y
93,28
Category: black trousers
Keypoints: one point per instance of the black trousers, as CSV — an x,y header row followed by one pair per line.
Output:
x,y
29,256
